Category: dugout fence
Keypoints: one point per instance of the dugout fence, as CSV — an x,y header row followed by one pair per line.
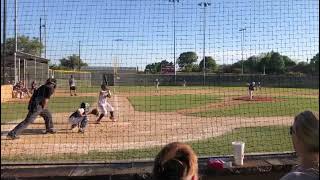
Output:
x,y
285,81
27,68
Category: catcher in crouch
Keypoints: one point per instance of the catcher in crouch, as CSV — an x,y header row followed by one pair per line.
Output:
x,y
80,119
103,105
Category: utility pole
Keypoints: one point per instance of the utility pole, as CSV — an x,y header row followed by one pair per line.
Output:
x,y
16,41
242,41
45,29
40,38
174,38
4,41
79,57
40,29
204,5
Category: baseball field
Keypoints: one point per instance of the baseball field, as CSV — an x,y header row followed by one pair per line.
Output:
x,y
207,117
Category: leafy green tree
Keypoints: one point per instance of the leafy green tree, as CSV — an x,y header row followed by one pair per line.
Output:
x,y
236,67
53,66
288,62
151,68
263,64
276,63
72,62
156,67
250,65
211,65
186,60
24,44
314,63
195,68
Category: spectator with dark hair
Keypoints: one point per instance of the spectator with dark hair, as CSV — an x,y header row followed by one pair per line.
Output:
x,y
176,161
33,86
20,89
305,138
37,106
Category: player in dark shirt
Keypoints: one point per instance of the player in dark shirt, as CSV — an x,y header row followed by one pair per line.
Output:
x,y
37,106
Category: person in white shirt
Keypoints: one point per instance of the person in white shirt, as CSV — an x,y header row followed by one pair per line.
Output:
x,y
103,105
72,84
157,83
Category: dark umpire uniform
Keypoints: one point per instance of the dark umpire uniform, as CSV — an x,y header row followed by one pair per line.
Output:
x,y
37,107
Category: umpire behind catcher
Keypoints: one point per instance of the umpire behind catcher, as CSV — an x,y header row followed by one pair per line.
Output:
x,y
37,106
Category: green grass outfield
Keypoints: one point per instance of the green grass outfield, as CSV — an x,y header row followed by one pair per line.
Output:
x,y
168,103
17,110
128,89
287,106
257,139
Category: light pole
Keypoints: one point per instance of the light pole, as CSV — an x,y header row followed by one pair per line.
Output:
x,y
16,41
40,38
174,38
79,57
4,41
45,29
204,5
115,66
242,41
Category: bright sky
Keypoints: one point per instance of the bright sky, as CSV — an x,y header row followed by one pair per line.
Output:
x,y
145,28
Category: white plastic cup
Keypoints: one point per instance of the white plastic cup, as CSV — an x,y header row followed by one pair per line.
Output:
x,y
238,152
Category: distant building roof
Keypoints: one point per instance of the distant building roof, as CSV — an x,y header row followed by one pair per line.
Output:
x,y
26,56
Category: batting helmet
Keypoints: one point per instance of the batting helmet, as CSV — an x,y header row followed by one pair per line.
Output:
x,y
85,106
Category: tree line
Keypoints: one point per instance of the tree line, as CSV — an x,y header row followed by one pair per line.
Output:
x,y
268,63
265,63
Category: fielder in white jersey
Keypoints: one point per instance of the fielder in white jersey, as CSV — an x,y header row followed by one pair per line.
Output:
x,y
157,83
103,105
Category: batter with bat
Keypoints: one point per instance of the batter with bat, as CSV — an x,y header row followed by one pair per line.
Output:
x,y
103,105
80,117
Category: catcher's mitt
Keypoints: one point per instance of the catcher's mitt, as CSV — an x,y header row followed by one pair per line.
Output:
x,y
94,112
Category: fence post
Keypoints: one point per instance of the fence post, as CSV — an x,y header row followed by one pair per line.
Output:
x,y
19,69
24,72
35,68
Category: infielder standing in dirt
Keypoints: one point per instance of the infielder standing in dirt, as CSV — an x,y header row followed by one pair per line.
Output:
x,y
103,105
184,83
259,85
37,106
72,84
157,85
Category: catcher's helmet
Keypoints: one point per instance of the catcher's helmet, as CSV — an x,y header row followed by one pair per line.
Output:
x,y
85,106
104,87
